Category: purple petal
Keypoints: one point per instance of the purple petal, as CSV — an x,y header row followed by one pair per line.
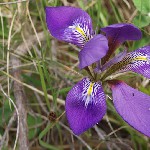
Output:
x,y
93,51
69,24
138,61
117,34
122,32
85,105
132,105
114,60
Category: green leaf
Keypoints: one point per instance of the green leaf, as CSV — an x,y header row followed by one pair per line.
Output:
x,y
33,121
141,43
6,113
42,134
145,90
64,90
141,20
142,5
32,80
41,73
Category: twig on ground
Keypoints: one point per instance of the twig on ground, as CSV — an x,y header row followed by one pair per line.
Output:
x,y
19,91
102,135
40,102
9,3
11,121
20,98
78,137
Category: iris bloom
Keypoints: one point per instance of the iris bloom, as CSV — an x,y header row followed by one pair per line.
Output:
x,y
86,101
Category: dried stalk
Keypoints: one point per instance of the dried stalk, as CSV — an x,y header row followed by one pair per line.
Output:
x,y
20,102
10,123
19,91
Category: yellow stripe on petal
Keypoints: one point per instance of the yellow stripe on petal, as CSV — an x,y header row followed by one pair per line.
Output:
x,y
80,30
90,89
89,94
79,33
141,58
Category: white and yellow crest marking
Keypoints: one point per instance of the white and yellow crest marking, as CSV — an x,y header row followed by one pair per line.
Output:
x,y
92,92
89,94
79,31
90,89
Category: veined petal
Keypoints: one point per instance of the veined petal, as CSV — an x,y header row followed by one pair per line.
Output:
x,y
122,32
69,24
138,61
132,105
93,51
85,105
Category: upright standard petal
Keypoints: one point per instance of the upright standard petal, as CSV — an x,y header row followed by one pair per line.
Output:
x,y
122,32
85,105
69,24
132,105
93,51
119,33
138,61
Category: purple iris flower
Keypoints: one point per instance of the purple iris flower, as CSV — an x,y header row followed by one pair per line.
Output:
x,y
86,101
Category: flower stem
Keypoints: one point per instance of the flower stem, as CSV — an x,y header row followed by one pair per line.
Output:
x,y
89,72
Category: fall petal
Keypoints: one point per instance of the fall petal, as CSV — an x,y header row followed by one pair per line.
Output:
x,y
132,105
85,105
138,61
69,24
